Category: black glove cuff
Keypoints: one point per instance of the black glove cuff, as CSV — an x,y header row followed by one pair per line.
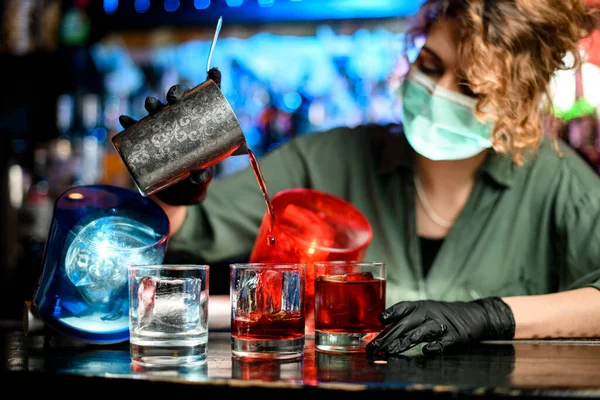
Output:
x,y
500,317
184,193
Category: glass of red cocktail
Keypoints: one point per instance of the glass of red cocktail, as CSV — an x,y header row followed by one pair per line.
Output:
x,y
349,297
267,310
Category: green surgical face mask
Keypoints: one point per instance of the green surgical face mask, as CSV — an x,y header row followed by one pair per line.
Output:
x,y
440,124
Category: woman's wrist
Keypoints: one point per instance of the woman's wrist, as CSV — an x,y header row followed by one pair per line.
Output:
x,y
176,214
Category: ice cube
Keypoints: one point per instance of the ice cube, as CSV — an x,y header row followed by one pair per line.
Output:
x,y
292,289
176,305
348,277
269,295
277,316
245,302
358,277
101,250
146,294
332,278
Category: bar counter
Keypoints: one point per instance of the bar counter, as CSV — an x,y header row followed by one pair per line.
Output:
x,y
525,369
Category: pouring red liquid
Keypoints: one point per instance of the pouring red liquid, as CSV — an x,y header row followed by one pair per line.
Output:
x,y
263,187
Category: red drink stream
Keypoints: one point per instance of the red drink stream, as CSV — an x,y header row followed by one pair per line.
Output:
x,y
263,187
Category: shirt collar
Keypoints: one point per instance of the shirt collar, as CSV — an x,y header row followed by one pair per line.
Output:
x,y
395,152
499,167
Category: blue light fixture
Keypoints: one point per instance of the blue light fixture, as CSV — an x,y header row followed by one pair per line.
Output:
x,y
292,101
171,5
267,10
110,6
201,4
266,3
142,6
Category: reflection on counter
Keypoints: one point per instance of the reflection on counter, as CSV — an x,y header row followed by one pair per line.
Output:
x,y
267,370
504,367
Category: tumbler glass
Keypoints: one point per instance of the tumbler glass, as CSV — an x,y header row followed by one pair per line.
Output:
x,y
267,310
349,297
168,314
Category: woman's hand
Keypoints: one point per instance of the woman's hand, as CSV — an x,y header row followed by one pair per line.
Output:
x,y
188,191
441,325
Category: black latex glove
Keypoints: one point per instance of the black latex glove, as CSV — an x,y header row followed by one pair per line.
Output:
x,y
193,189
442,325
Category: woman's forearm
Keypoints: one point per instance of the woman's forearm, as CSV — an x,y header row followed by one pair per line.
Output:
x,y
176,214
571,314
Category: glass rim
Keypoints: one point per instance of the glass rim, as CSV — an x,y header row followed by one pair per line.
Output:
x,y
358,263
170,267
272,265
101,213
338,250
74,236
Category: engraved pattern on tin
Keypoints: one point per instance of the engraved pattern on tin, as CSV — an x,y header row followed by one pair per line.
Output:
x,y
198,131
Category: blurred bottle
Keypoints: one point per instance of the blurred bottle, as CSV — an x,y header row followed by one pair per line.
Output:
x,y
29,25
33,221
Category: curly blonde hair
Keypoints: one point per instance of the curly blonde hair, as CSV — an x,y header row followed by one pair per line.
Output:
x,y
510,50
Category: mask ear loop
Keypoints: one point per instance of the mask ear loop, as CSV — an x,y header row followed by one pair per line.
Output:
x,y
397,77
403,63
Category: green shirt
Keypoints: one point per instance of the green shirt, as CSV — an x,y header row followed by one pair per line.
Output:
x,y
525,230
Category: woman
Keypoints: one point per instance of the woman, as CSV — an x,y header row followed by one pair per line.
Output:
x,y
488,230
